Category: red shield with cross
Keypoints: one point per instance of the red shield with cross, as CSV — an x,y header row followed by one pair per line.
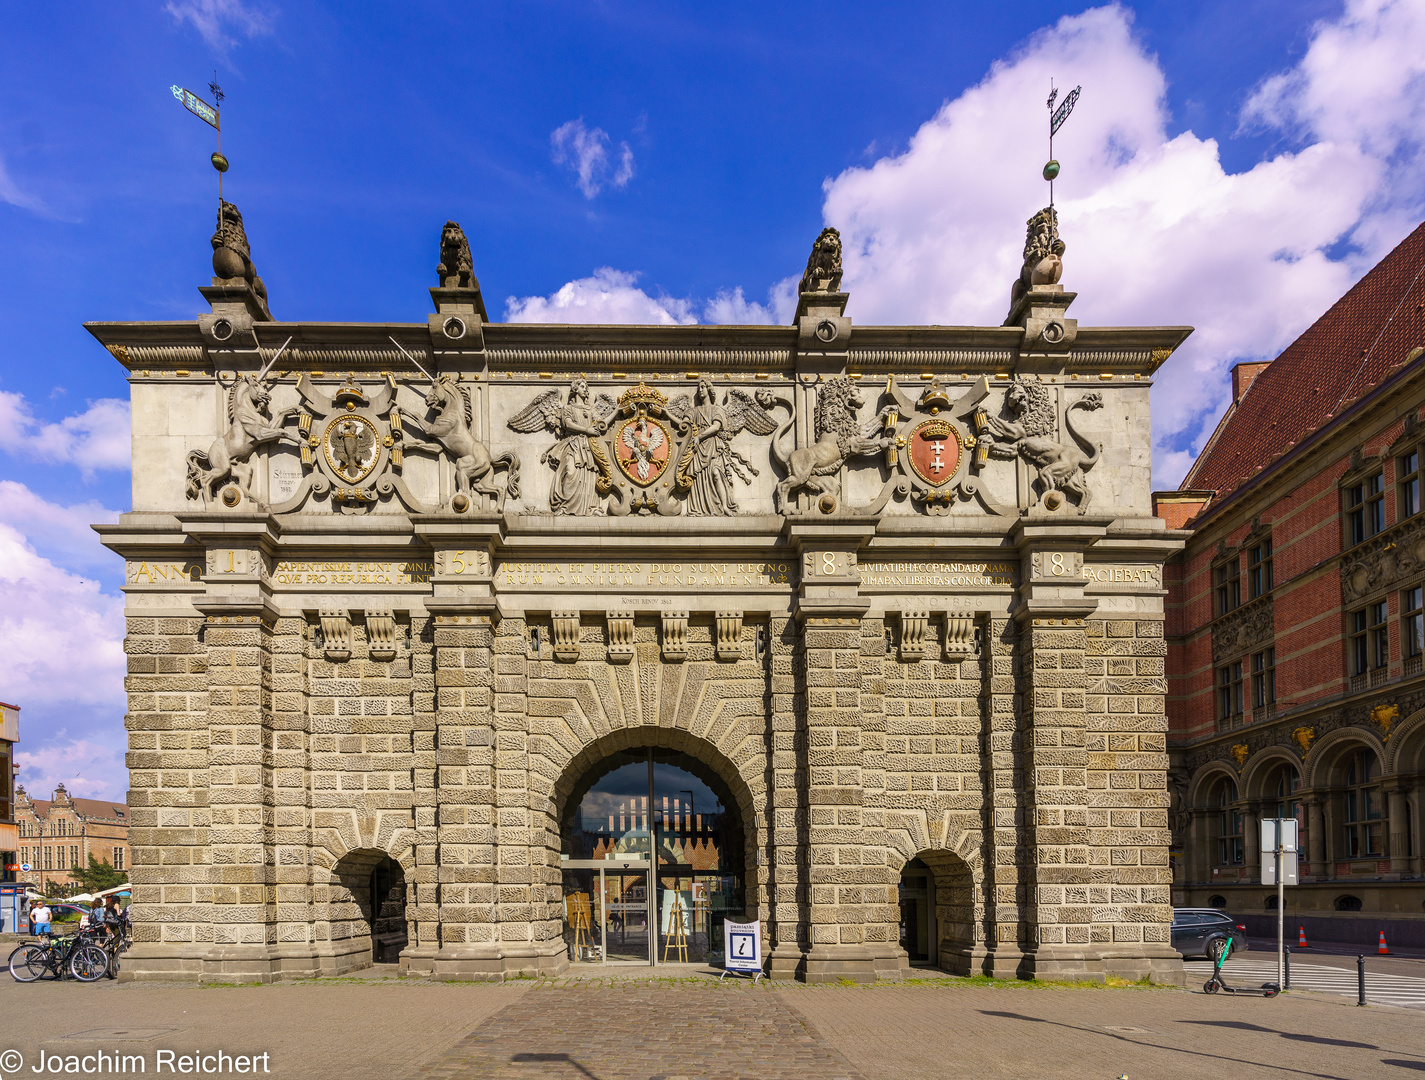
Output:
x,y
934,452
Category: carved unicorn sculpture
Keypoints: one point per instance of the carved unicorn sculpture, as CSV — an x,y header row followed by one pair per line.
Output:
x,y
449,431
249,426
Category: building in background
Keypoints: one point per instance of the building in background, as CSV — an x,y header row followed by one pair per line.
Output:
x,y
1296,623
62,832
9,834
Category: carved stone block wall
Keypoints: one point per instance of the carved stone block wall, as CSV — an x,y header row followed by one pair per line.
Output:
x,y
1127,791
170,814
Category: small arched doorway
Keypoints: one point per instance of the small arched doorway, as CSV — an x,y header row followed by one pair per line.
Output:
x,y
368,906
938,913
652,855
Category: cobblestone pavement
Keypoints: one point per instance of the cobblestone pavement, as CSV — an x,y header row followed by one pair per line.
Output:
x,y
634,1026
634,1030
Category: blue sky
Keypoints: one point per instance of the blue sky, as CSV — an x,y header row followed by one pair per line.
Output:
x,y
1232,166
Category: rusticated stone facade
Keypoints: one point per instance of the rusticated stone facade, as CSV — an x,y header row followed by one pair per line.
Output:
x,y
394,592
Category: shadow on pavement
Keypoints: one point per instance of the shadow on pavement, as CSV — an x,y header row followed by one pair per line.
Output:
x,y
1174,1049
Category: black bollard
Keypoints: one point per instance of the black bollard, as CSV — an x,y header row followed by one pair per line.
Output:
x,y
1286,969
1360,980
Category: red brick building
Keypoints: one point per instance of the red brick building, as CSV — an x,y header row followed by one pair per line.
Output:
x,y
1296,626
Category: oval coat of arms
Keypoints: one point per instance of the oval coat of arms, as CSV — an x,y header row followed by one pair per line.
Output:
x,y
352,446
934,452
643,446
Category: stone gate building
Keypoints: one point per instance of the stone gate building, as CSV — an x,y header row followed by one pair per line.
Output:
x,y
497,648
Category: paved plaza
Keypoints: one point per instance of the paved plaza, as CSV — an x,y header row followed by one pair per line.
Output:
x,y
635,1028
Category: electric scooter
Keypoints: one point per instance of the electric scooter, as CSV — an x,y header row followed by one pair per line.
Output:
x,y
1217,982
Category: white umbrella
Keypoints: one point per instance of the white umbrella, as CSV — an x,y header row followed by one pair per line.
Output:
x,y
83,897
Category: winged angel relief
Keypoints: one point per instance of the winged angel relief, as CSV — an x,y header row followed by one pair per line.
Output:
x,y
648,454
579,463
714,463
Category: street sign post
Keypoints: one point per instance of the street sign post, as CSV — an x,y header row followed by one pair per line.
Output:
x,y
1279,841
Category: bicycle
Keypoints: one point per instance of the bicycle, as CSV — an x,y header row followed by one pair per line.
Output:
x,y
75,956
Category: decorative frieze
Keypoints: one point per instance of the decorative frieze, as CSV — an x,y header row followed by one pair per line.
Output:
x,y
675,635
1384,560
620,643
566,635
1243,629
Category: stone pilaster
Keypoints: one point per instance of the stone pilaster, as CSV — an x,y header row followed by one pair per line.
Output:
x,y
465,811
788,899
168,797
1128,800
423,884
242,879
1006,871
1052,696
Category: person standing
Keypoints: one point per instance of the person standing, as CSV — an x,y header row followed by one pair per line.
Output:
x,y
41,918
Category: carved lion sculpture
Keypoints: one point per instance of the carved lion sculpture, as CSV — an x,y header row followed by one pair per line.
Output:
x,y
823,272
456,269
1027,433
838,436
1043,249
232,258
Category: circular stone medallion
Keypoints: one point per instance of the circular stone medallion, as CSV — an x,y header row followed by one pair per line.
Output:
x,y
352,447
934,452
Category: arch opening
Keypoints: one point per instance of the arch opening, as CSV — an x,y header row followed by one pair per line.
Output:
x,y
937,910
367,908
653,857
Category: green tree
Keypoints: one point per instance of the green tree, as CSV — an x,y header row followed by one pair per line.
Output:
x,y
98,876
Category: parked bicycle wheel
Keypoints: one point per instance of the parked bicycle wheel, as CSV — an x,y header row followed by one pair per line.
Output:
x,y
28,963
88,962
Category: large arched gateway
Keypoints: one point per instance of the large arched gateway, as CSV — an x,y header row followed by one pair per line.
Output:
x,y
505,648
652,860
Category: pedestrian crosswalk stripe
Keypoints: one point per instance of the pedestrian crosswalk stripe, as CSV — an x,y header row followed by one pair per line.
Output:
x,y
1407,991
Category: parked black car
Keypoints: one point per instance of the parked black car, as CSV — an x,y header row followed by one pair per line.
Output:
x,y
1204,932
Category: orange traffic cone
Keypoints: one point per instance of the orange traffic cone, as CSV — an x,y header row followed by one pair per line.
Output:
x,y
1301,938
1381,950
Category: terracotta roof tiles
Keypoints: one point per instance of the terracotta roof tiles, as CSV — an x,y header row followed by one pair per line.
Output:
x,y
1346,352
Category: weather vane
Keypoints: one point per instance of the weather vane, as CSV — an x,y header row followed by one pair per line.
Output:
x,y
210,115
1056,121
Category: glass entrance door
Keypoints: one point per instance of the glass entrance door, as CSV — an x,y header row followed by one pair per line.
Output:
x,y
626,925
653,861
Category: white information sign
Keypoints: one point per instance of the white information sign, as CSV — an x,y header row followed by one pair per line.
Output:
x,y
744,947
1269,833
1289,869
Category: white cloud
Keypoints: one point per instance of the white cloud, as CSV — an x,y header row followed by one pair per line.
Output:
x,y
586,153
63,533
610,296
1157,231
61,637
217,21
95,439
12,193
89,770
